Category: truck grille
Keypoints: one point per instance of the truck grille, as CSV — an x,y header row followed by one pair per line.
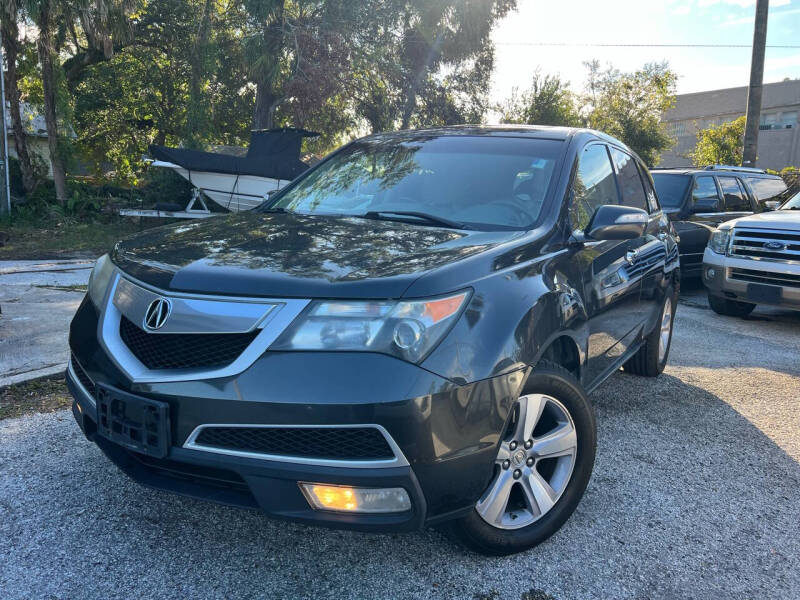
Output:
x,y
183,350
328,443
752,276
766,244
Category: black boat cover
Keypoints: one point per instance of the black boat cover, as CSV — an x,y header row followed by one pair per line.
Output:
x,y
273,153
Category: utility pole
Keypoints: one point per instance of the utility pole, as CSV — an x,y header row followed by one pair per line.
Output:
x,y
756,85
5,195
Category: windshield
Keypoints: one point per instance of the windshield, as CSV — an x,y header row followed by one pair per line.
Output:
x,y
480,182
793,203
671,188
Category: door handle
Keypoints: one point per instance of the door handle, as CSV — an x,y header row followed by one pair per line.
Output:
x,y
662,235
631,255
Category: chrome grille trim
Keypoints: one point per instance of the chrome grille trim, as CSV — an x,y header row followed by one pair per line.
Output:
x,y
749,243
272,324
766,277
399,459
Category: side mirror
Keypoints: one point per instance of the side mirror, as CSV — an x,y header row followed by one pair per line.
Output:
x,y
771,205
614,222
704,205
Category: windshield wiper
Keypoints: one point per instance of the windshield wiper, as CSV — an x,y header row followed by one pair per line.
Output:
x,y
432,219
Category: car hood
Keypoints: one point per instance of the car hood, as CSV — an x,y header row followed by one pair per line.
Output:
x,y
777,219
290,255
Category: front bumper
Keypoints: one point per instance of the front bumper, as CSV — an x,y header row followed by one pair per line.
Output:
x,y
726,285
447,433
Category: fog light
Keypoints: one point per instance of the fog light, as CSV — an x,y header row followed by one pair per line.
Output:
x,y
711,273
341,498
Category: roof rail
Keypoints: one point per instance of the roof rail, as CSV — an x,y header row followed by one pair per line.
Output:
x,y
669,168
733,168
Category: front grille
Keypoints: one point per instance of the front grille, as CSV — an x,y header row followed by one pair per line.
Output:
x,y
183,350
84,379
329,443
752,276
754,243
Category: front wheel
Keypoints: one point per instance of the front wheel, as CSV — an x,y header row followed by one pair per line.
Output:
x,y
543,465
651,358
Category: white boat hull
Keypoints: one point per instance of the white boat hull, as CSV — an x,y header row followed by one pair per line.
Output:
x,y
234,192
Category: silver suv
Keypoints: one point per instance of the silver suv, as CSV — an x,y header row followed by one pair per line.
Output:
x,y
754,260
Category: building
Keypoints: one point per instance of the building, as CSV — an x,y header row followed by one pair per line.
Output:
x,y
779,135
35,134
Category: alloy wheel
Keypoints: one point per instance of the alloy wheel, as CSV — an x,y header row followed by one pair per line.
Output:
x,y
534,464
666,330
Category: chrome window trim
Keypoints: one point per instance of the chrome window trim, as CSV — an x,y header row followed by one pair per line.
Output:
x,y
76,380
272,325
399,459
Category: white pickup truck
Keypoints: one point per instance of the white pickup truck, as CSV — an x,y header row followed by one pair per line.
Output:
x,y
755,260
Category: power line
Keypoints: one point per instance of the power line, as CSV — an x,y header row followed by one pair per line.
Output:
x,y
600,45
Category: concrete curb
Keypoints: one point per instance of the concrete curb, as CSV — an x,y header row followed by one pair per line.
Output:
x,y
51,372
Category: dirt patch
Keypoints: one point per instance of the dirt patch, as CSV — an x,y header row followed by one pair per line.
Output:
x,y
39,396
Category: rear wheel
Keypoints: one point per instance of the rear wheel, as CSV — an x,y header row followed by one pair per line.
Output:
x,y
651,358
729,308
543,465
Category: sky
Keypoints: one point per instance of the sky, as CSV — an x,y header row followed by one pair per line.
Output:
x,y
643,22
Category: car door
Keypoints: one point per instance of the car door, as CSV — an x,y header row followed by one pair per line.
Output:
x,y
610,294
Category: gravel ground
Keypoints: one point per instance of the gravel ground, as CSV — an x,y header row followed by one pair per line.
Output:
x,y
694,495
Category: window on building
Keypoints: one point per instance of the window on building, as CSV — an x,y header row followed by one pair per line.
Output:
x,y
768,121
677,128
788,120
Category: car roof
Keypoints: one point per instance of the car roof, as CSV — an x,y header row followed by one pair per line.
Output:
x,y
705,171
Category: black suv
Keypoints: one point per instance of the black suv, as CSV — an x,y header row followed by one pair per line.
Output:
x,y
699,199
403,336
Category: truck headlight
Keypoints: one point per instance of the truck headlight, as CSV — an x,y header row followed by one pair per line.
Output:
x,y
99,280
406,329
719,240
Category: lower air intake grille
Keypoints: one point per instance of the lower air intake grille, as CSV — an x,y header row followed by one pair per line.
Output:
x,y
183,350
767,277
85,380
330,443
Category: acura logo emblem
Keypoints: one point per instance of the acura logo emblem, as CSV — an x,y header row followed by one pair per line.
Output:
x,y
157,313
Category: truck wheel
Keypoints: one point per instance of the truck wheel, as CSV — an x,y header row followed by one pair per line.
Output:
x,y
729,308
651,358
543,465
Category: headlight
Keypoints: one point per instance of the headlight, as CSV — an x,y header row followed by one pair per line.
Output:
x,y
719,239
406,329
99,279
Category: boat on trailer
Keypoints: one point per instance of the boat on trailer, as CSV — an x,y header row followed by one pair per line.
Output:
x,y
234,182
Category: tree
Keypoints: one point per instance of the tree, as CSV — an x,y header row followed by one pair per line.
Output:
x,y
548,101
720,144
629,106
9,10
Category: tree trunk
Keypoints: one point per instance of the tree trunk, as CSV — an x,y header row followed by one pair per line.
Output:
x,y
11,48
45,48
197,114
266,103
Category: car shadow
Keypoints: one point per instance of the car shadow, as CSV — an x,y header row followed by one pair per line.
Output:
x,y
688,499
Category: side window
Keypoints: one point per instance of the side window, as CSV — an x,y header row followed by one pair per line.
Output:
x,y
649,188
735,198
704,195
629,181
767,189
594,185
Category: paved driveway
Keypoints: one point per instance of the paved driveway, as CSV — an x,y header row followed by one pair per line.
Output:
x,y
694,495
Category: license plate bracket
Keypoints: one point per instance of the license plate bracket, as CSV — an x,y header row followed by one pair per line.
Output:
x,y
139,424
759,292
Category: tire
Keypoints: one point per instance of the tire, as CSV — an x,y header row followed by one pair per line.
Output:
x,y
729,308
554,389
651,358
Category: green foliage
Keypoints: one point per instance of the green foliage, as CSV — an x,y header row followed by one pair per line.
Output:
x,y
629,106
548,101
720,144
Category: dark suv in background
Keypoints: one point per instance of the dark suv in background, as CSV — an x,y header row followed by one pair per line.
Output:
x,y
403,336
698,199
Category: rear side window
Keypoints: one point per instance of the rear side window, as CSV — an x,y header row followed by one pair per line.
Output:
x,y
671,188
735,198
629,181
594,185
767,189
704,195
